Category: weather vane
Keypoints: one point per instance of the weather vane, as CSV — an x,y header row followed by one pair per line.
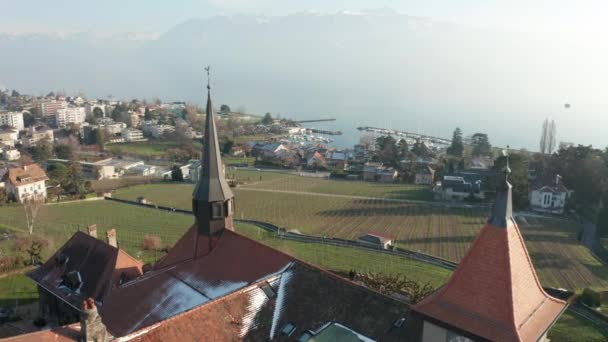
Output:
x,y
208,78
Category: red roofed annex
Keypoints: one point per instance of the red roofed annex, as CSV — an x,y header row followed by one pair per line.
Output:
x,y
217,285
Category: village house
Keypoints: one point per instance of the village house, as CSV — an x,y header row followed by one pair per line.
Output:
x,y
549,196
424,176
337,159
36,134
8,136
466,184
9,153
26,182
377,172
316,161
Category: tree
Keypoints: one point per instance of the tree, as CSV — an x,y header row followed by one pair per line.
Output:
x,y
100,137
3,196
224,108
43,151
387,150
57,172
147,114
32,203
403,149
28,119
226,144
457,147
481,145
267,120
97,113
547,137
177,174
420,149
74,183
64,151
15,93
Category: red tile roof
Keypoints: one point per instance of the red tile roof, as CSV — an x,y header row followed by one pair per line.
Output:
x,y
27,174
100,266
178,284
305,296
66,333
494,293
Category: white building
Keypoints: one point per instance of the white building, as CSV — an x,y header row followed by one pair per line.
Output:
x,y
8,136
37,134
9,153
132,134
157,131
113,128
27,182
12,119
70,115
549,196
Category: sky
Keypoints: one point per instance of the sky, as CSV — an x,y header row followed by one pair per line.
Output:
x,y
114,16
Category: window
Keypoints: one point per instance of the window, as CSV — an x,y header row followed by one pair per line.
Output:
x,y
229,207
217,210
288,329
269,291
307,335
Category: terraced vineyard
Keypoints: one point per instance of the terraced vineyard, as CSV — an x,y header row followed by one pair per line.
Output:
x,y
560,260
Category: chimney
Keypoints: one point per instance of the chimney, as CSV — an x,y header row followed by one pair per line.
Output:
x,y
92,229
111,236
92,328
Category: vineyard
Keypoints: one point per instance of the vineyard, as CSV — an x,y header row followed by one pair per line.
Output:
x,y
560,260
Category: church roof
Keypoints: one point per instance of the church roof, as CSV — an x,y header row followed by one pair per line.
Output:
x,y
211,187
495,293
179,285
302,296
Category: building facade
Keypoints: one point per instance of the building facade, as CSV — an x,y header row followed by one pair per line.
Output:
x,y
26,182
70,115
12,119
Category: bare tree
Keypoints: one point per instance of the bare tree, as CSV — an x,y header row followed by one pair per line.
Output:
x,y
31,205
551,144
543,137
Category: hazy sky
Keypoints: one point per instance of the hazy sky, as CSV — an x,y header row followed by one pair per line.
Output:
x,y
109,16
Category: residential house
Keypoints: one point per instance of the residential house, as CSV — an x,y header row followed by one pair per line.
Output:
x,y
37,133
425,175
9,153
549,196
268,150
469,183
8,136
382,241
482,162
142,170
12,119
337,160
156,130
379,173
26,182
316,161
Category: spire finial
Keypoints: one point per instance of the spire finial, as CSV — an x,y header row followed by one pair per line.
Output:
x,y
507,169
207,68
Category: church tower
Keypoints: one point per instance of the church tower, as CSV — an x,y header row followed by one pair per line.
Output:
x,y
212,199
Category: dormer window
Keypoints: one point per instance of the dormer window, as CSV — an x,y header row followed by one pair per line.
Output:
x,y
217,210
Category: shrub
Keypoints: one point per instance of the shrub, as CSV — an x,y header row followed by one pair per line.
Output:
x,y
590,298
152,243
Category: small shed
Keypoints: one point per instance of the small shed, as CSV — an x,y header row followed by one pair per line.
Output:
x,y
378,240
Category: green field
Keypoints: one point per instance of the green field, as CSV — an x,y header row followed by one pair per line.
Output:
x,y
560,260
151,148
290,182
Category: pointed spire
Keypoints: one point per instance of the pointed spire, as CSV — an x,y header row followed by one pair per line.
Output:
x,y
210,199
502,211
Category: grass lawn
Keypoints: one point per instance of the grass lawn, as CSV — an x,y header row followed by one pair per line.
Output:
x,y
17,289
571,328
560,260
151,148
